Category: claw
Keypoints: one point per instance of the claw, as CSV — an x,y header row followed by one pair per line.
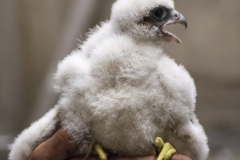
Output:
x,y
170,153
166,149
102,154
159,143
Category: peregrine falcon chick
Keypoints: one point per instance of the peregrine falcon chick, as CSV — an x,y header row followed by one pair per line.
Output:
x,y
120,91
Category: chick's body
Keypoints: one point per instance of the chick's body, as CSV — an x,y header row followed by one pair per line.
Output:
x,y
129,93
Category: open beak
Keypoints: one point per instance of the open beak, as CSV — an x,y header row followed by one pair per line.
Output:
x,y
175,17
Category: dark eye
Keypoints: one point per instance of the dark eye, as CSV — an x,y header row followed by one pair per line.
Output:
x,y
159,13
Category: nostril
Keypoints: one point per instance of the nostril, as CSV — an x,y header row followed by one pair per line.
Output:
x,y
176,15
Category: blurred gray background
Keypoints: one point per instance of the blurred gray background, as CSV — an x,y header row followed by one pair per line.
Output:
x,y
35,35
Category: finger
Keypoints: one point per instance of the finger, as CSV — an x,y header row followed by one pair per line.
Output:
x,y
180,157
93,157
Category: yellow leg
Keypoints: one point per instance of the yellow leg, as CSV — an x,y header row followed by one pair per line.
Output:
x,y
166,149
102,154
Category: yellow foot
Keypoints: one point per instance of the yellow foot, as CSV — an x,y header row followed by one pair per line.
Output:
x,y
166,149
101,153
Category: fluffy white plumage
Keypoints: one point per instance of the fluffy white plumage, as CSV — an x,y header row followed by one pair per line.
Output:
x,y
122,91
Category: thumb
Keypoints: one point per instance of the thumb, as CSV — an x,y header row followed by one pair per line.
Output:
x,y
57,147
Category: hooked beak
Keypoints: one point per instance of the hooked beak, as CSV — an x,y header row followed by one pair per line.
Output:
x,y
175,17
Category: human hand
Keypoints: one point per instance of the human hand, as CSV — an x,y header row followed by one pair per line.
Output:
x,y
61,146
152,157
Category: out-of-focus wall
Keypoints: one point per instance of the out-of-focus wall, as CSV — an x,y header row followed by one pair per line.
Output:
x,y
35,35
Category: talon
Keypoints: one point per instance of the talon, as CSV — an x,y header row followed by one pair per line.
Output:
x,y
166,149
159,144
102,154
169,153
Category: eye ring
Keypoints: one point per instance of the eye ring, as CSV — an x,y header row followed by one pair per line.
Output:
x,y
159,13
